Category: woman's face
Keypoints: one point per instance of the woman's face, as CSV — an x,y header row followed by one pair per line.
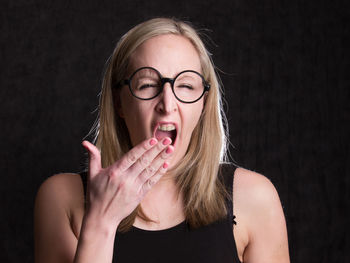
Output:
x,y
169,54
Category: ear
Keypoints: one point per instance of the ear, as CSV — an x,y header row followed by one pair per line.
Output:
x,y
205,98
204,103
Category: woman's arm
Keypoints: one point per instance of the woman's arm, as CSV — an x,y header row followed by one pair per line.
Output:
x,y
56,240
112,194
258,209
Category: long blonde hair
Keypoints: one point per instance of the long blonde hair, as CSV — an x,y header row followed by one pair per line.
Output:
x,y
197,173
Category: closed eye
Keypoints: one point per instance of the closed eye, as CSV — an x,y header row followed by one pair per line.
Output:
x,y
185,86
146,86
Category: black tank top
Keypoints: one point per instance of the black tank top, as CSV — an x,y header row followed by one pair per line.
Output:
x,y
213,243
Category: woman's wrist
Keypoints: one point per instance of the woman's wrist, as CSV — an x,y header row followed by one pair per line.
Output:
x,y
96,240
93,226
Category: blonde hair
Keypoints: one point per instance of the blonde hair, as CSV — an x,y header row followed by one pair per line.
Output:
x,y
197,173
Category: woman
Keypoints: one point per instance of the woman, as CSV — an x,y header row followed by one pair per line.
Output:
x,y
157,187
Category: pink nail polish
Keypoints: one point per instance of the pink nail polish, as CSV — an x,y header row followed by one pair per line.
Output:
x,y
169,150
152,141
165,165
166,141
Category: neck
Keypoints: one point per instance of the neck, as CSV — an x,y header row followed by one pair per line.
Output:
x,y
163,203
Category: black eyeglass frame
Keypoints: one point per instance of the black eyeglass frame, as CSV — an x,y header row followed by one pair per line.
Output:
x,y
163,80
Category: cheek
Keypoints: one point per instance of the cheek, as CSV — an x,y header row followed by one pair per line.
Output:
x,y
136,119
129,107
193,116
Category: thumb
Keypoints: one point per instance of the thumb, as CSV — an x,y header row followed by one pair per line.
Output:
x,y
94,158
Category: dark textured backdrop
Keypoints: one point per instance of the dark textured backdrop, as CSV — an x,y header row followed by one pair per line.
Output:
x,y
285,68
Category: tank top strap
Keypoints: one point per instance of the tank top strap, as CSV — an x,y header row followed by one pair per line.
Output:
x,y
226,174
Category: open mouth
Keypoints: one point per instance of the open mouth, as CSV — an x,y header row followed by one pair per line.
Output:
x,y
166,130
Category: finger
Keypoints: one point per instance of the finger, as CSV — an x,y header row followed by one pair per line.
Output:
x,y
94,158
134,154
155,178
148,157
149,171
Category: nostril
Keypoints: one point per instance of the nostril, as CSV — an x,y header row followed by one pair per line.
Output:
x,y
167,102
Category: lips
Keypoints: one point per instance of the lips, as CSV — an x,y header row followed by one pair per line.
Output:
x,y
166,129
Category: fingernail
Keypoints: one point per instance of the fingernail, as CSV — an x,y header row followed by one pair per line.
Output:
x,y
166,141
169,150
165,165
152,141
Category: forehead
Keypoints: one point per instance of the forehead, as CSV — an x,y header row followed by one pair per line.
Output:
x,y
169,54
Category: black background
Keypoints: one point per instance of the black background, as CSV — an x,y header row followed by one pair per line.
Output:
x,y
285,69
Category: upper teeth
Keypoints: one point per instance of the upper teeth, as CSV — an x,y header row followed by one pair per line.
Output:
x,y
166,127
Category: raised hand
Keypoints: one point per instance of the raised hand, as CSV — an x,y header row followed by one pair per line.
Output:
x,y
114,192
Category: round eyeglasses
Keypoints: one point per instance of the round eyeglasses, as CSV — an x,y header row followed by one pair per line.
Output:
x,y
147,83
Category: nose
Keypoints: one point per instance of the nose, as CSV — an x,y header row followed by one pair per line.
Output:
x,y
167,101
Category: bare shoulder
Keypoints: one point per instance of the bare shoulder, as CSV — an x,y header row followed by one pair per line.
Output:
x,y
59,207
255,196
60,191
260,218
61,195
254,187
61,187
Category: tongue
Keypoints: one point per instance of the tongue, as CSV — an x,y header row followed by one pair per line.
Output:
x,y
162,134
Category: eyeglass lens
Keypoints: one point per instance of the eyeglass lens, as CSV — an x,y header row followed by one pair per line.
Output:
x,y
146,83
